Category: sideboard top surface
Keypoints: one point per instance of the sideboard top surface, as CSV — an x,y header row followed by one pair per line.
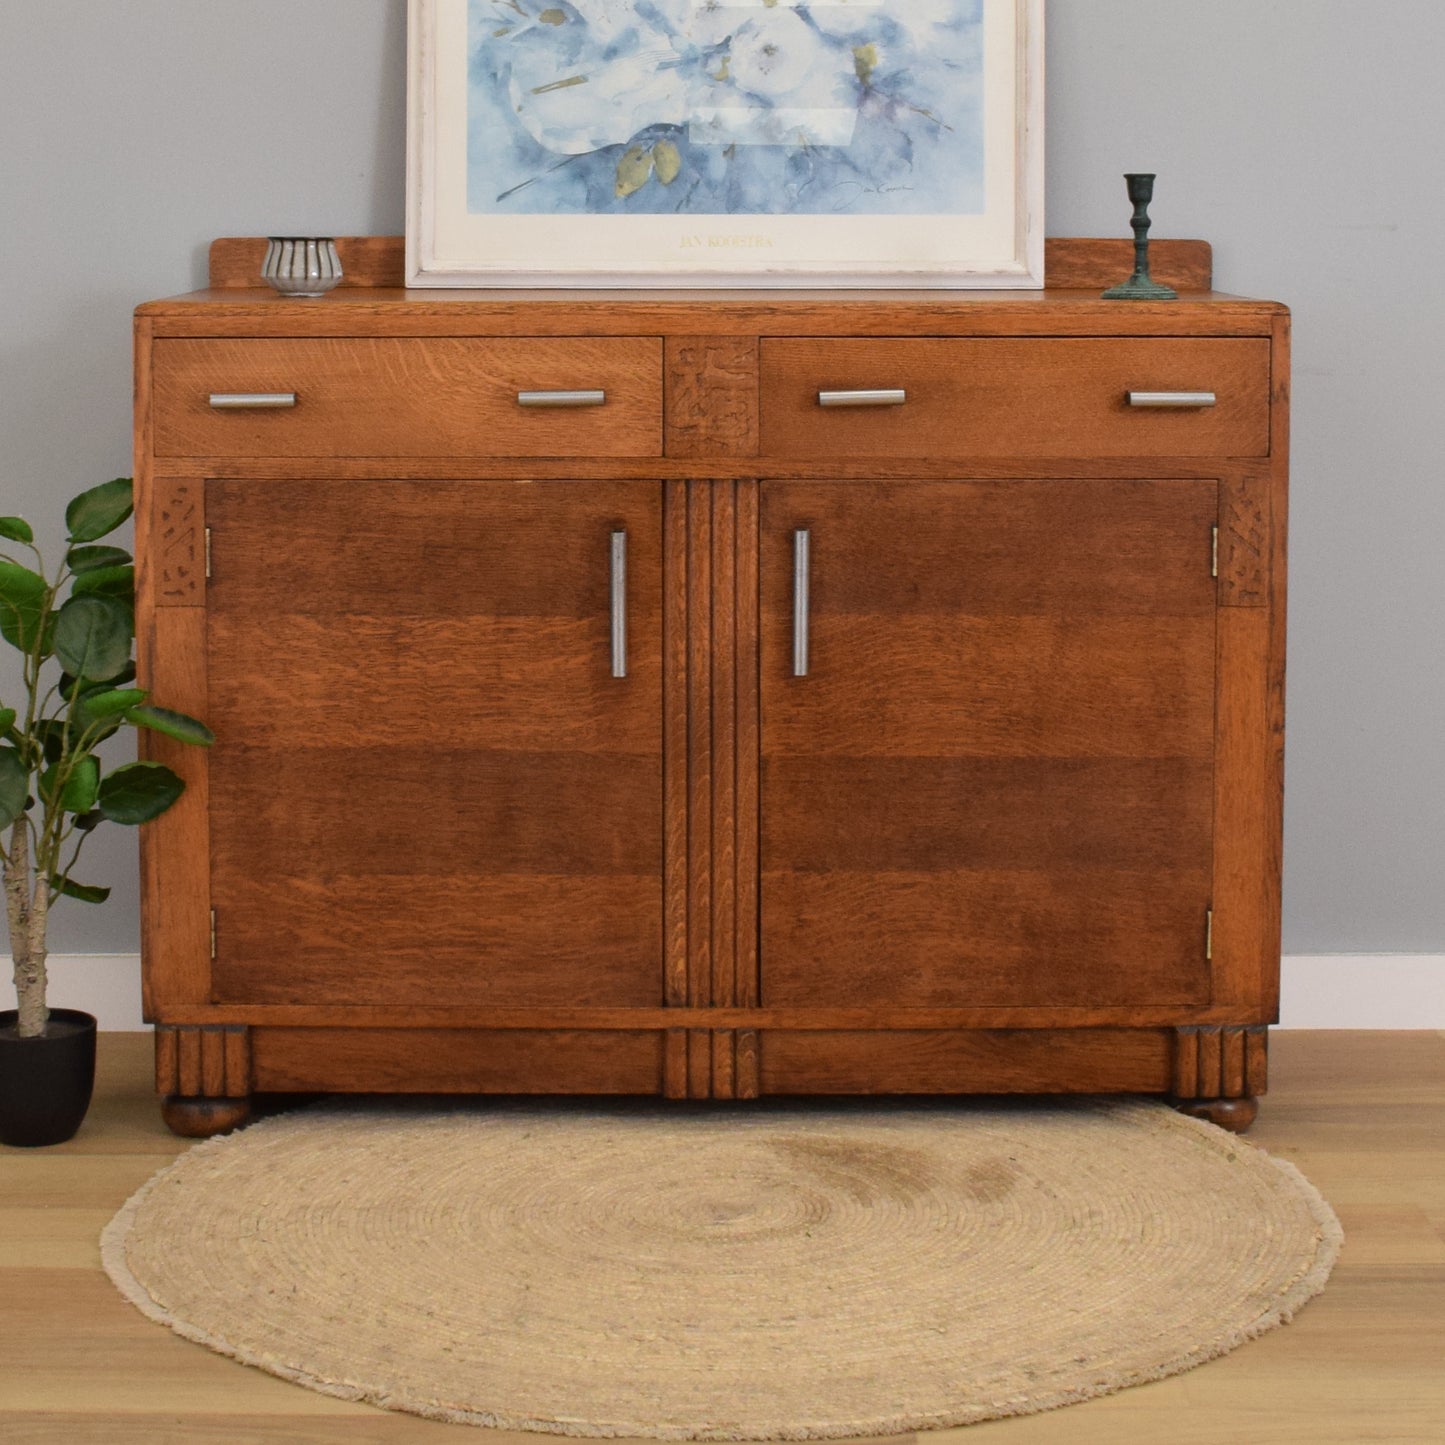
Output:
x,y
372,300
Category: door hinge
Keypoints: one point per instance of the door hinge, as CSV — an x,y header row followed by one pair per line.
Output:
x,y
208,553
1208,935
1213,552
213,934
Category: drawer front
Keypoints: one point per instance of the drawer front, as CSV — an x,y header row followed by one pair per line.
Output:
x,y
1015,398
423,396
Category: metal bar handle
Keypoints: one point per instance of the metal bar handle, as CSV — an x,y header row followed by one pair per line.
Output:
x,y
252,400
1173,400
619,604
562,398
801,542
895,396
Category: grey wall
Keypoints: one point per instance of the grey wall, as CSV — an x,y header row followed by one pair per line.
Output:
x,y
1298,135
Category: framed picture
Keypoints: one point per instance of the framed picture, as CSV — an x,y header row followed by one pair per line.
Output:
x,y
725,143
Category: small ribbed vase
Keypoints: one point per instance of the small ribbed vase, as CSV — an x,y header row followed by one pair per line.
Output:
x,y
301,265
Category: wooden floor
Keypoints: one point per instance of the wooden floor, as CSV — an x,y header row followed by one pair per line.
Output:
x,y
1363,1114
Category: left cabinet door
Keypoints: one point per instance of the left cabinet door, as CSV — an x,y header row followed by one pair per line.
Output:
x,y
430,787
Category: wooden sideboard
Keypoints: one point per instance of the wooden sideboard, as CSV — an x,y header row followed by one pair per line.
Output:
x,y
706,740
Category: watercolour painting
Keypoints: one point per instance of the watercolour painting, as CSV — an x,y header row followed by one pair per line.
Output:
x,y
725,142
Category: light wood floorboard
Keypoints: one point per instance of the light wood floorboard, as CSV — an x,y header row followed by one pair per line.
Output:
x,y
1363,1114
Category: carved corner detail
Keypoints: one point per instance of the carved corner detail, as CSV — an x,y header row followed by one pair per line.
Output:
x,y
1220,1062
180,545
1244,543
204,1072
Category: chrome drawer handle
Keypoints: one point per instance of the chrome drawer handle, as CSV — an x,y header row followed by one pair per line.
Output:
x,y
252,400
801,542
561,398
619,604
890,397
1172,400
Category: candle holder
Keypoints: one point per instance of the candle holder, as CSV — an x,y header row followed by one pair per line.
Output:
x,y
1141,286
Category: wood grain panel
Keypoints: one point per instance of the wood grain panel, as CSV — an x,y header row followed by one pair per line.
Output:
x,y
1052,814
1246,810
175,848
235,261
424,766
674,1064
675,782
712,396
409,396
457,1061
1017,398
723,702
747,761
964,686
429,811
1069,262
1080,262
1032,547
699,743
506,939
977,1062
985,937
987,792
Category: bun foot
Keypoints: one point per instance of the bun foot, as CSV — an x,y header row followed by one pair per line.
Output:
x,y
194,1118
1236,1115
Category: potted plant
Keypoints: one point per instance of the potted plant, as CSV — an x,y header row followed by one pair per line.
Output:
x,y
75,633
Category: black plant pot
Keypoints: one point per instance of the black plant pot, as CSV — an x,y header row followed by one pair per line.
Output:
x,y
45,1083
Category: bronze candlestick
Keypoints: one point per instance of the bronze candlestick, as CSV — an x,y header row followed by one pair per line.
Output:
x,y
1141,286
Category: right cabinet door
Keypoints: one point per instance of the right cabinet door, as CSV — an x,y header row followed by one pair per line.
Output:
x,y
987,739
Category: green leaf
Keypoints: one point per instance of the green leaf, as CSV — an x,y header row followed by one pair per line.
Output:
x,y
117,582
100,510
87,559
68,683
83,891
7,719
88,822
108,702
22,605
81,787
17,529
13,786
92,637
173,724
137,792
52,733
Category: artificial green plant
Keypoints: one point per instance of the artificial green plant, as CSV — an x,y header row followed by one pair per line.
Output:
x,y
76,690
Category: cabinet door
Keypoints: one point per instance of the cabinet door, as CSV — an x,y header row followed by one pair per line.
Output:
x,y
428,786
994,785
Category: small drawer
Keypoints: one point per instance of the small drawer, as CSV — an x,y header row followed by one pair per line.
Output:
x,y
417,396
997,397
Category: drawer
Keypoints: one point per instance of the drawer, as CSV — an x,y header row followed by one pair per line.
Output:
x,y
995,397
421,397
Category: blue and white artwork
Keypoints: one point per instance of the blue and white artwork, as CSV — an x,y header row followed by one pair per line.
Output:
x,y
725,107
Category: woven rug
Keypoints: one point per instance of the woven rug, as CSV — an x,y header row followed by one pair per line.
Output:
x,y
770,1272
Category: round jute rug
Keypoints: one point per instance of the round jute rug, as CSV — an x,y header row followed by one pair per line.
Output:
x,y
784,1273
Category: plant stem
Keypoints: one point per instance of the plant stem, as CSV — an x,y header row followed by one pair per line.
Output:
x,y
26,914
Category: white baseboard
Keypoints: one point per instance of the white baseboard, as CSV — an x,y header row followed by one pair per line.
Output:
x,y
1362,991
1317,990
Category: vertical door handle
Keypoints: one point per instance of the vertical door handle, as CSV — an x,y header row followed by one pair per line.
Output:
x,y
801,539
619,604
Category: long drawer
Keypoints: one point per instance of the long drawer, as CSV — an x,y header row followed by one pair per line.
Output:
x,y
416,396
1000,397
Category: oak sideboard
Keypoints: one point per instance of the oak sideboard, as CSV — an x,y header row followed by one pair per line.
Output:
x,y
714,694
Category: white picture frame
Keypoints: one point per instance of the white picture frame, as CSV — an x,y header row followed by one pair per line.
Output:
x,y
630,143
